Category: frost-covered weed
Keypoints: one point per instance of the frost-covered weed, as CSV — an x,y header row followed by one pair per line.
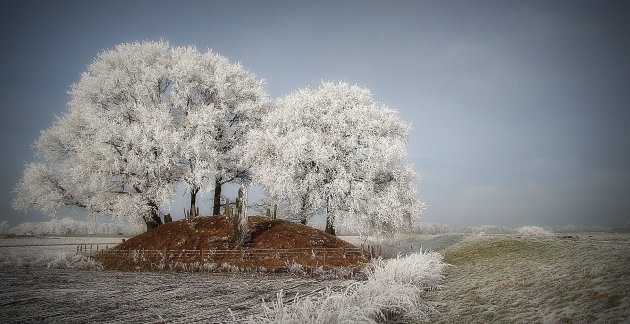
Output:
x,y
294,267
534,231
65,261
394,289
193,267
231,268
424,273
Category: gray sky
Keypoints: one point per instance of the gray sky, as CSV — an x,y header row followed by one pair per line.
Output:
x,y
520,109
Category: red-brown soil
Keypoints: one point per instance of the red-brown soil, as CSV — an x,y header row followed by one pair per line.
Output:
x,y
215,234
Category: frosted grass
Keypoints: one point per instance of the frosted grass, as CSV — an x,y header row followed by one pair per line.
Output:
x,y
536,279
49,260
394,290
51,252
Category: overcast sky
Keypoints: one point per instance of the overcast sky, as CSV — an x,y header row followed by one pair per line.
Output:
x,y
520,109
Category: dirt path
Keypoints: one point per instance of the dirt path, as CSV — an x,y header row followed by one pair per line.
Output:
x,y
75,296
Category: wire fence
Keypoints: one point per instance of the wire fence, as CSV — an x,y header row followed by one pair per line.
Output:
x,y
243,254
270,258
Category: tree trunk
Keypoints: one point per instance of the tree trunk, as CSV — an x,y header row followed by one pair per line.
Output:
x,y
193,202
330,223
153,220
216,209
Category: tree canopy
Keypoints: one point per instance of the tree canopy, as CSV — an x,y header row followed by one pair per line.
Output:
x,y
335,150
143,118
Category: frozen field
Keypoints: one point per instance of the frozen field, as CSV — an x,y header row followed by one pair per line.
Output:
x,y
29,247
30,292
79,296
493,278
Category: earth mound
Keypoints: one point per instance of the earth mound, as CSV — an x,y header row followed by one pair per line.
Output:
x,y
207,243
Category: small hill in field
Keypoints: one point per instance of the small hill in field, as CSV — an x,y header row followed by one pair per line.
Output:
x,y
208,241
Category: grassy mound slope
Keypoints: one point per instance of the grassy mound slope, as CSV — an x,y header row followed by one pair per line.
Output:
x,y
529,280
215,233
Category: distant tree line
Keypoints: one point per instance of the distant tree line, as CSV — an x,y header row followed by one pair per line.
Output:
x,y
71,227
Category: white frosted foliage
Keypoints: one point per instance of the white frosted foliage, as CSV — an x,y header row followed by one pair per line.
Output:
x,y
336,150
142,119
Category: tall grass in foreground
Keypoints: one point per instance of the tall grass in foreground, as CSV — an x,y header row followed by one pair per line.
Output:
x,y
394,290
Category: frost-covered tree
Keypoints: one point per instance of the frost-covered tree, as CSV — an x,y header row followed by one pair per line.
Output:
x,y
144,117
219,102
111,153
388,203
335,150
68,226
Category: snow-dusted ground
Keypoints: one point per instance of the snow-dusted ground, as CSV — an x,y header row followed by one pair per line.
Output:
x,y
496,278
79,296
30,292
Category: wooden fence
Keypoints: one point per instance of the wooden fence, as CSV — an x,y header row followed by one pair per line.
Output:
x,y
88,249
